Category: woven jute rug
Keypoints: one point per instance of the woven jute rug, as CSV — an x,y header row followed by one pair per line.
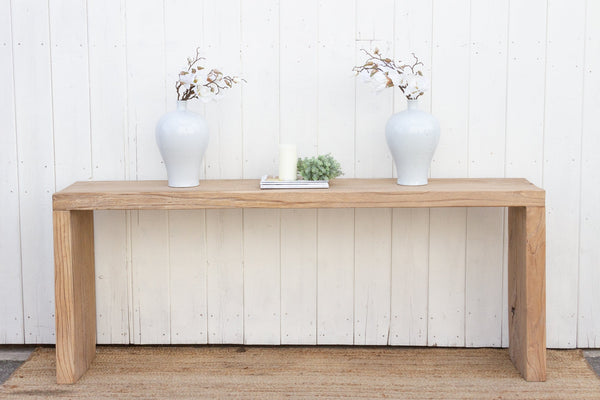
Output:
x,y
216,372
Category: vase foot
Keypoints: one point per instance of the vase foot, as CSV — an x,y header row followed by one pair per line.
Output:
x,y
414,183
183,186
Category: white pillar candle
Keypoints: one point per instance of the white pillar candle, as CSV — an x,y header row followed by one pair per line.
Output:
x,y
288,160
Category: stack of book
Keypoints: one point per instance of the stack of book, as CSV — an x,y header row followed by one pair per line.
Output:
x,y
273,182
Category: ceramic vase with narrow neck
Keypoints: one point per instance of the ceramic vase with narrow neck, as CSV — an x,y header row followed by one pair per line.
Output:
x,y
182,138
412,136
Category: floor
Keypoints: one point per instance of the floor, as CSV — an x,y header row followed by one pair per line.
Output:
x,y
10,359
13,356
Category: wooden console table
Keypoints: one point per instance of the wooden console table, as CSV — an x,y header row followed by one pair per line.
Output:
x,y
74,244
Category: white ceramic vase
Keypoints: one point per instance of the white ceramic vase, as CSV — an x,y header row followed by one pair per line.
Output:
x,y
412,136
182,138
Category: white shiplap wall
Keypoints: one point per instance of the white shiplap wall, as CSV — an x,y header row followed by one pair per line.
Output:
x,y
515,85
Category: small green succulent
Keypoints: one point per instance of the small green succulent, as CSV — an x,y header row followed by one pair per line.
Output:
x,y
320,168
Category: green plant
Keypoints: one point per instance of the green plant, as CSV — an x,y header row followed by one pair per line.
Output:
x,y
320,168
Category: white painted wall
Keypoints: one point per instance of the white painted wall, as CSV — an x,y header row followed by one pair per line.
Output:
x,y
515,85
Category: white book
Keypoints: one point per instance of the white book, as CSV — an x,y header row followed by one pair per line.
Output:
x,y
273,182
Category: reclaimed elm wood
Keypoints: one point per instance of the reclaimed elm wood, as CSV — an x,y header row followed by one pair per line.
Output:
x,y
527,290
75,293
343,193
74,244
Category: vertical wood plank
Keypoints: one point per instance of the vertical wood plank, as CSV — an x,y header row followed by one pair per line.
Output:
x,y
487,112
181,39
150,277
449,103
562,166
335,281
374,28
187,247
224,160
335,228
262,277
410,286
483,285
76,298
372,245
33,109
446,325
524,108
527,290
146,104
410,227
260,95
108,126
70,92
413,34
298,116
588,332
225,276
11,296
336,95
187,260
487,97
261,129
112,275
298,75
298,277
372,276
223,46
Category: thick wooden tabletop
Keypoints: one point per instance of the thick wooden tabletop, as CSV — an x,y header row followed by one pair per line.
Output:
x,y
343,193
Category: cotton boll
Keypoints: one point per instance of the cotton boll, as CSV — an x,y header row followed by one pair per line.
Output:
x,y
364,76
186,79
396,77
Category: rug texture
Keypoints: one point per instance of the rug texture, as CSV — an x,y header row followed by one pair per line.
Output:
x,y
220,372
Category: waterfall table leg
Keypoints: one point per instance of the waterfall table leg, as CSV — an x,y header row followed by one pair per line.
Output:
x,y
75,293
527,290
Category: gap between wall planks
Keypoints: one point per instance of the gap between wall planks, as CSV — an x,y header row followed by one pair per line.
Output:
x,y
115,56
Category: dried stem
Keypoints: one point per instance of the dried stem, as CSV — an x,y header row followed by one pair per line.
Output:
x,y
214,80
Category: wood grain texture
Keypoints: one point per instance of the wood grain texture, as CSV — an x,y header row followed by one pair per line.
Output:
x,y
75,293
343,193
527,290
